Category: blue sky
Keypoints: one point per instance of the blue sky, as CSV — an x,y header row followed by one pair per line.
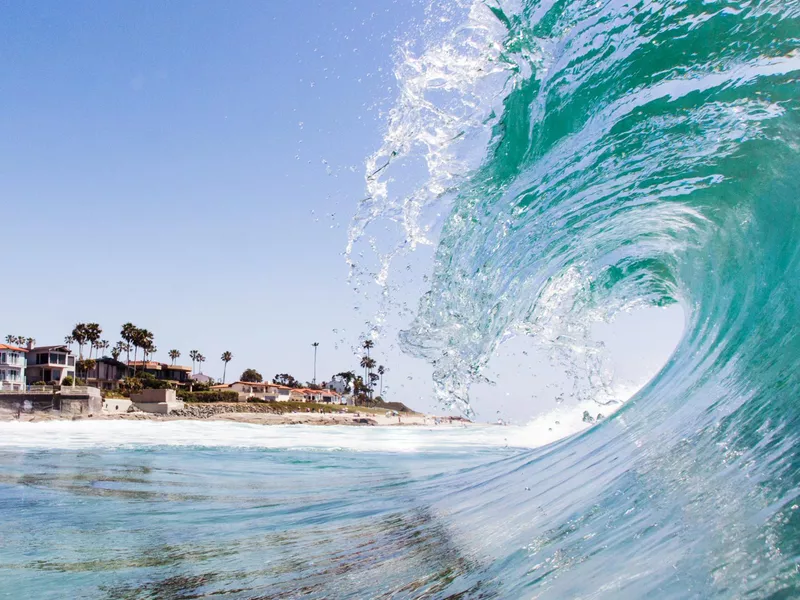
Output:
x,y
164,165
192,168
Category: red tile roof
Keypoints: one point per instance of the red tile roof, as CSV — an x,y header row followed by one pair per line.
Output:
x,y
12,348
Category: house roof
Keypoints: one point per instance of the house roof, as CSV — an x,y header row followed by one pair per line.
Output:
x,y
60,348
227,385
145,364
152,364
12,348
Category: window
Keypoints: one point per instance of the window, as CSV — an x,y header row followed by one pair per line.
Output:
x,y
3,375
56,374
71,361
41,359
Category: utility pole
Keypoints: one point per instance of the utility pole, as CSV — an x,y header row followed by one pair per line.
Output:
x,y
316,345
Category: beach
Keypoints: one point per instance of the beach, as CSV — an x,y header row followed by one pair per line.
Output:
x,y
258,415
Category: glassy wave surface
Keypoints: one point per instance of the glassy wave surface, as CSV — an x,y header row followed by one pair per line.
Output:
x,y
576,159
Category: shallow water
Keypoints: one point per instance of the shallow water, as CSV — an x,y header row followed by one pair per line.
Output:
x,y
188,509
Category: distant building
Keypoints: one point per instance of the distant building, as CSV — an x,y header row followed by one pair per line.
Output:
x,y
50,364
245,389
332,397
13,361
312,395
278,393
107,374
201,378
162,371
337,384
297,395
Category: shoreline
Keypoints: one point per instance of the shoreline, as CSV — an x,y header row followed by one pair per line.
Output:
x,y
225,413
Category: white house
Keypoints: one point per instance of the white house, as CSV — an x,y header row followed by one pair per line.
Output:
x,y
12,368
245,389
50,364
332,397
278,393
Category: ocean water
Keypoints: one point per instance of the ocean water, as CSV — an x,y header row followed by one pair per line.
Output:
x,y
565,161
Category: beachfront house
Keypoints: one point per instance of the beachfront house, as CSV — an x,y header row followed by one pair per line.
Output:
x,y
13,361
246,390
277,392
312,395
332,397
162,371
107,373
50,364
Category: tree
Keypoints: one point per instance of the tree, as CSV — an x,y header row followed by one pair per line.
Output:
x,y
174,355
251,376
381,372
142,338
193,355
69,340
226,358
287,380
92,332
200,359
117,349
127,333
368,344
100,345
85,366
79,335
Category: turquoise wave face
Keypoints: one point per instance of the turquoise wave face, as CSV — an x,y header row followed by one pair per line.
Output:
x,y
598,156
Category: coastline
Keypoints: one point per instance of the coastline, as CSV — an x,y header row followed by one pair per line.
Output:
x,y
236,414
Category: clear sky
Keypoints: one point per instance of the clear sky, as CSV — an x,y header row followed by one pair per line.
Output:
x,y
192,167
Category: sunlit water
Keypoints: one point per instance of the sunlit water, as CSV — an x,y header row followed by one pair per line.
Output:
x,y
579,159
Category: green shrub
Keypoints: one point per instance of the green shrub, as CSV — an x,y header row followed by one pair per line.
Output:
x,y
215,396
69,381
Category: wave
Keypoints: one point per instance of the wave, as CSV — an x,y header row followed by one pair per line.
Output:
x,y
572,160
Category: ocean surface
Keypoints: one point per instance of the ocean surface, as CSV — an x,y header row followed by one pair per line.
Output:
x,y
565,161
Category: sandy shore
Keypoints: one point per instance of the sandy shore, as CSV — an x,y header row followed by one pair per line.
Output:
x,y
264,418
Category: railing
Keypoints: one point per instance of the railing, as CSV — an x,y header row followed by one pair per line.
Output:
x,y
41,389
70,390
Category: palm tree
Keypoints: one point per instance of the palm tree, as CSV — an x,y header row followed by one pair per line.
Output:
x,y
93,333
31,342
193,355
381,371
127,333
100,345
226,358
69,340
200,360
141,339
79,335
117,349
174,355
11,339
368,344
366,363
150,350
